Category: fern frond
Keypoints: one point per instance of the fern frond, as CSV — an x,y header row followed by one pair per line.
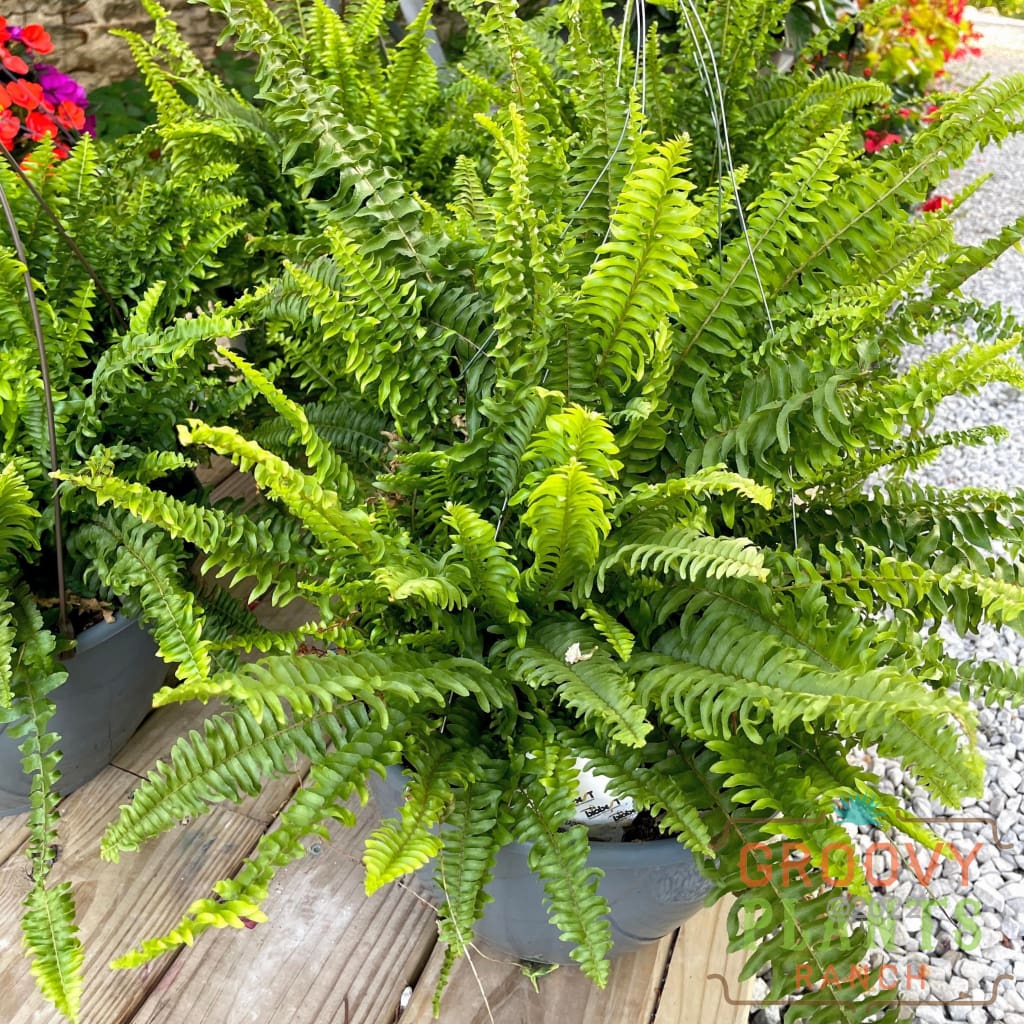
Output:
x,y
567,520
470,840
356,433
411,76
566,656
522,268
493,575
614,632
642,269
49,932
717,319
404,844
17,513
560,859
360,747
326,467
230,760
678,492
236,545
135,558
715,666
343,530
50,938
307,684
686,553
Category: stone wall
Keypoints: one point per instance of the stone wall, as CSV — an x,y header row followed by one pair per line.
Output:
x,y
83,46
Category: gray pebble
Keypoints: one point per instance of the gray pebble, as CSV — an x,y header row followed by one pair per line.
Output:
x,y
975,971
1010,781
944,990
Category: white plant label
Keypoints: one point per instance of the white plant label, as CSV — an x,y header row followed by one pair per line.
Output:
x,y
604,815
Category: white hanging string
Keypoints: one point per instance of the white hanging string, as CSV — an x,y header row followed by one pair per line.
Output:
x,y
712,84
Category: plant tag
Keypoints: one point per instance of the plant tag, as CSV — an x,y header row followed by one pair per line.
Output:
x,y
604,815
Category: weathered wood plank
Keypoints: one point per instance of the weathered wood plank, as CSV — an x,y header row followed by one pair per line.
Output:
x,y
487,988
118,904
239,486
701,950
327,954
213,472
12,834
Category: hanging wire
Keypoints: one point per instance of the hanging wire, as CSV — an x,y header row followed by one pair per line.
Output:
x,y
712,84
51,427
639,68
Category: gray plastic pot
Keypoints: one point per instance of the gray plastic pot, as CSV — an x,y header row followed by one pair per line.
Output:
x,y
651,889
111,681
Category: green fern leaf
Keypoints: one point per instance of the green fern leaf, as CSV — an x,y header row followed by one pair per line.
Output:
x,y
404,844
360,747
564,655
50,938
560,859
642,269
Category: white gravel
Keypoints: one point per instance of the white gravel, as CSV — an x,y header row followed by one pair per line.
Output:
x,y
954,966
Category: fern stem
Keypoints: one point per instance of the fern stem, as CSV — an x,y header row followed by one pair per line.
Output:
x,y
51,428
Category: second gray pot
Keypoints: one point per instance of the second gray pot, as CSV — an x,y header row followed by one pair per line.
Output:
x,y
109,690
651,889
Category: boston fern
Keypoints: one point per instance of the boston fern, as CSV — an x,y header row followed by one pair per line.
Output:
x,y
588,445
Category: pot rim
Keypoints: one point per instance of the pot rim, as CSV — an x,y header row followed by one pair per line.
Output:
x,y
100,632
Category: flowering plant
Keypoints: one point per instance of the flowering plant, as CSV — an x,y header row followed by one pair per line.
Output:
x,y
910,44
36,100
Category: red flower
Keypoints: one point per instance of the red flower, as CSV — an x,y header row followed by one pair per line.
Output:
x,y
905,112
71,115
13,64
25,94
39,125
4,34
35,37
874,141
936,202
928,116
9,128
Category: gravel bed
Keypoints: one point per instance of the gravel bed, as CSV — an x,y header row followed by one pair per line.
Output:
x,y
960,963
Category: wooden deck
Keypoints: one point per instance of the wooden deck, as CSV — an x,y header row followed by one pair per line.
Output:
x,y
328,954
